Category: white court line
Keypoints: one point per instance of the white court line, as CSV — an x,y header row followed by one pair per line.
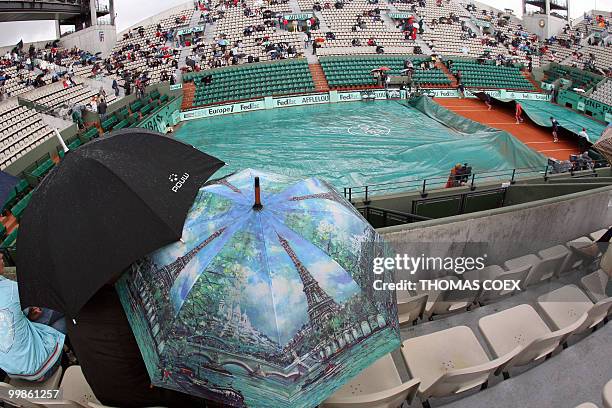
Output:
x,y
559,150
469,110
502,123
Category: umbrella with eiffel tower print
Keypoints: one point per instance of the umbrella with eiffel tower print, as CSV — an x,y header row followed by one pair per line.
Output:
x,y
268,299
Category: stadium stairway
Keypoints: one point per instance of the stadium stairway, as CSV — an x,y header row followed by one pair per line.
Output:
x,y
530,78
450,76
318,77
189,90
537,138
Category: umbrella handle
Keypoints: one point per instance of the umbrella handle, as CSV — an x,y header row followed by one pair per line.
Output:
x,y
257,206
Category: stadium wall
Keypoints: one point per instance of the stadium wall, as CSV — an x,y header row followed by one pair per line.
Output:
x,y
596,109
160,16
100,38
514,231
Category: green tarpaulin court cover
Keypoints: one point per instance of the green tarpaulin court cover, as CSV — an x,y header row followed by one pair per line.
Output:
x,y
540,112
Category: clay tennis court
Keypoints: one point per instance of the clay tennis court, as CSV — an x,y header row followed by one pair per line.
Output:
x,y
501,117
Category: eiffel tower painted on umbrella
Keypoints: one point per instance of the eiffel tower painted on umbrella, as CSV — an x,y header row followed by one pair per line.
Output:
x,y
263,303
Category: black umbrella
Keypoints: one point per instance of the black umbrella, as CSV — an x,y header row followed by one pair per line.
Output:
x,y
104,206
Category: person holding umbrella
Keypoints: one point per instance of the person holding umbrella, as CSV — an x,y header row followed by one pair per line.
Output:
x,y
129,194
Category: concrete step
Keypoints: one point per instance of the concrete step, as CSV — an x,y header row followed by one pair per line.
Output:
x,y
530,78
318,77
449,74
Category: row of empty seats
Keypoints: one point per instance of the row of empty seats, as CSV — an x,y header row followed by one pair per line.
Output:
x,y
252,81
490,76
513,337
603,93
356,71
22,129
528,270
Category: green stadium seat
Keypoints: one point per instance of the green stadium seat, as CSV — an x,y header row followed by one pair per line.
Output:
x,y
10,240
43,168
21,205
123,124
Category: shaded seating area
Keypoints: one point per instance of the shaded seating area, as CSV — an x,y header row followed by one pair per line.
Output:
x,y
251,81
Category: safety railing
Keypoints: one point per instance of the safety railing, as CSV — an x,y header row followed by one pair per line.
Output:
x,y
366,192
382,217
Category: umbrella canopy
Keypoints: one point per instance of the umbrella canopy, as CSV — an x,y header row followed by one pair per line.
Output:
x,y
268,302
320,39
104,206
7,184
381,69
604,144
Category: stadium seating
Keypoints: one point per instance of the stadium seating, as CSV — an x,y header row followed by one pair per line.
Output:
x,y
603,93
595,285
445,370
23,129
441,302
565,305
522,326
497,273
356,71
55,95
378,386
580,79
411,309
490,76
253,80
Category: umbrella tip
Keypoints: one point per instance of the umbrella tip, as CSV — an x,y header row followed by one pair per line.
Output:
x,y
257,206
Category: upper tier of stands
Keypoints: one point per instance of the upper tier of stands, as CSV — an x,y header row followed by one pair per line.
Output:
x,y
57,95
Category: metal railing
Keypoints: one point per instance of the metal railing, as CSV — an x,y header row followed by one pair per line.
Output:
x,y
462,199
389,217
470,180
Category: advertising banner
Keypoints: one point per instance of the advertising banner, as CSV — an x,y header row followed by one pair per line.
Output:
x,y
223,110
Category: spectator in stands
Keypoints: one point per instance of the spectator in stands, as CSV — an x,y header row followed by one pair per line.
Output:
x,y
102,107
454,176
92,106
102,94
47,317
115,87
77,117
28,351
555,128
111,361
